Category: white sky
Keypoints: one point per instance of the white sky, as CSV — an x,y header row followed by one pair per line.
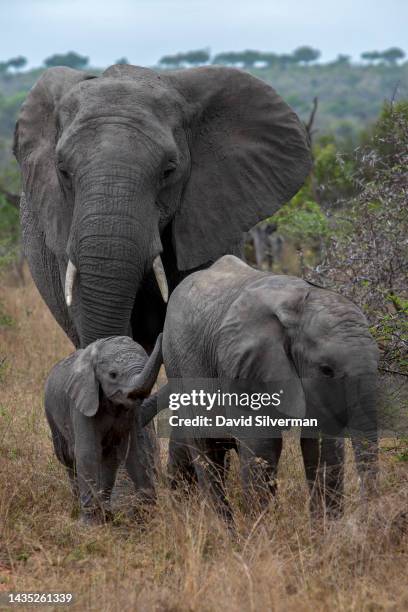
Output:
x,y
144,30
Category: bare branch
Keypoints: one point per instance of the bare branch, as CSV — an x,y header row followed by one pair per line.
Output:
x,y
11,198
309,124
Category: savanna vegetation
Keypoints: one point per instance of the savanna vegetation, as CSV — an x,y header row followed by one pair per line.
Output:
x,y
346,229
180,557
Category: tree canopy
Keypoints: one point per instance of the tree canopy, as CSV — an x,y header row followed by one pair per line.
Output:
x,y
191,58
306,54
70,59
14,62
390,56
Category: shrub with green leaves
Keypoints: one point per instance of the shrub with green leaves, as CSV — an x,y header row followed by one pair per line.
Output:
x,y
366,256
302,220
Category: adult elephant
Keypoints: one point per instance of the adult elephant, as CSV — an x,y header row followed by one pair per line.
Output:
x,y
120,168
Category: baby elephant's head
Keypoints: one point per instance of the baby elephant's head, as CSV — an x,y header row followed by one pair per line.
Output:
x,y
120,367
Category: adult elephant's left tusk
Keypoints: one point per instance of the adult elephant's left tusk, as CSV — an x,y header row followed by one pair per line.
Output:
x,y
160,275
69,282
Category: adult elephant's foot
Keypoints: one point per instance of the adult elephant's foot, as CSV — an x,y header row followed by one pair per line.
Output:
x,y
326,504
95,516
399,527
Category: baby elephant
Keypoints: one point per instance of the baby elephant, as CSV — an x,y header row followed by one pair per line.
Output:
x,y
94,407
258,327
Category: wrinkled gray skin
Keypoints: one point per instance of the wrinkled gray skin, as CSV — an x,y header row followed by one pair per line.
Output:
x,y
121,167
232,321
93,404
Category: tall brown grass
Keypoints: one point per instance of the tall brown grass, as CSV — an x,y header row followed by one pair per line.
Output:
x,y
181,556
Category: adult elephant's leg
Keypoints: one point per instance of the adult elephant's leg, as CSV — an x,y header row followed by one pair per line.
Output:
x,y
259,465
219,455
324,466
208,462
141,461
179,466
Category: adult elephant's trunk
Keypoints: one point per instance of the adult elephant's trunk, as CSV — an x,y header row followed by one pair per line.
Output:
x,y
114,242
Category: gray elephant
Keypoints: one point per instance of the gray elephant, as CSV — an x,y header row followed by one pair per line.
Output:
x,y
256,326
93,404
124,168
132,179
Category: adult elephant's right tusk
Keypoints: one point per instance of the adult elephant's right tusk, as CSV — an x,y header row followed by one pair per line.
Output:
x,y
69,282
160,275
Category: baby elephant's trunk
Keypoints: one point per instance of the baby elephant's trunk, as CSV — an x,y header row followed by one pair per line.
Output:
x,y
142,383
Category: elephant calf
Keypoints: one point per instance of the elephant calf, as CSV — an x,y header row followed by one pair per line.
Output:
x,y
95,409
233,322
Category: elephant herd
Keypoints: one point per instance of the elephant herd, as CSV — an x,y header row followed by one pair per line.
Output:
x,y
138,186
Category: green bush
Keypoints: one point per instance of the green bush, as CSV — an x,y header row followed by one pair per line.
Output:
x,y
9,221
366,256
302,220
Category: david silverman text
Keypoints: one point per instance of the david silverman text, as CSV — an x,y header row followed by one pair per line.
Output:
x,y
243,421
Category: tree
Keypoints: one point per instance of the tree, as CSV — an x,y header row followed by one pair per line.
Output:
x,y
249,58
341,60
269,59
228,58
306,54
171,61
371,56
71,59
17,62
196,58
392,55
286,59
193,58
122,60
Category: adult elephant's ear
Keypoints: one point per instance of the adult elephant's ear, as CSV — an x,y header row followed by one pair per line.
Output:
x,y
250,154
35,137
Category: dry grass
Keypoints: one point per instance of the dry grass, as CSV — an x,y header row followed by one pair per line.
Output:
x,y
182,557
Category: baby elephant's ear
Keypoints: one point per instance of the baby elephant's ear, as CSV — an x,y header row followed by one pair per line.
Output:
x,y
253,346
82,385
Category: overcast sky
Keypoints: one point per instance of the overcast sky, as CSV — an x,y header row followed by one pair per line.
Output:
x,y
144,30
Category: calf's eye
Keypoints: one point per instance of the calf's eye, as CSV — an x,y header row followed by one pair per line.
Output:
x,y
113,375
326,370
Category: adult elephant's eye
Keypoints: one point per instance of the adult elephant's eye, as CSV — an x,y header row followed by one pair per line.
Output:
x,y
326,371
169,170
113,375
64,174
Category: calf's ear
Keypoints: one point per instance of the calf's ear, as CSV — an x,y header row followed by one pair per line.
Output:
x,y
82,385
253,346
